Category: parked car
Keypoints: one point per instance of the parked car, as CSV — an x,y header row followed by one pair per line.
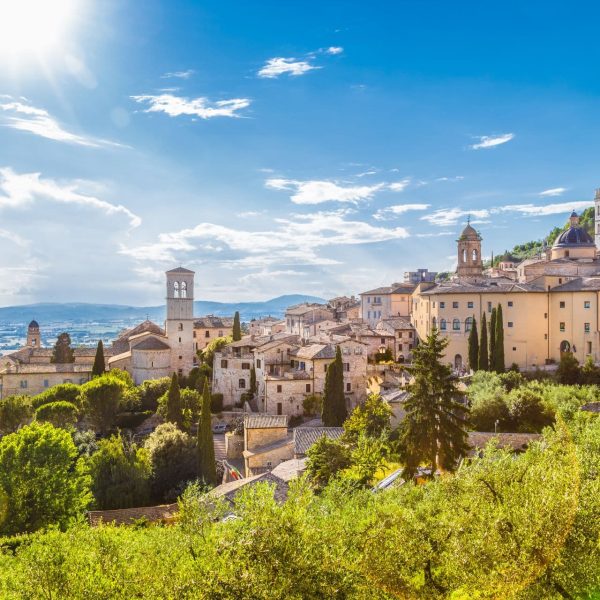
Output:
x,y
220,428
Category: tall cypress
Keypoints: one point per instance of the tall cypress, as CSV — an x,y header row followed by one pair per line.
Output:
x,y
99,366
174,409
492,338
474,347
334,411
237,328
62,352
499,366
207,469
484,364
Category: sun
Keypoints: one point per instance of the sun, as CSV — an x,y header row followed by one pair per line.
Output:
x,y
33,28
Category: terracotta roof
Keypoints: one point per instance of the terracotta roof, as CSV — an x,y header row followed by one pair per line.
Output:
x,y
305,437
315,351
152,343
395,323
380,290
230,490
302,309
128,516
212,322
265,421
121,344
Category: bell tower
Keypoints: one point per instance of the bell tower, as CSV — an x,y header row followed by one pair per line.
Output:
x,y
597,219
470,263
179,324
33,335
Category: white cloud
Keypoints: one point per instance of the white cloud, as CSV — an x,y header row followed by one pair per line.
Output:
x,y
22,190
175,106
452,179
334,50
489,141
250,214
275,67
450,216
294,241
399,186
553,192
25,117
397,209
319,191
531,210
178,74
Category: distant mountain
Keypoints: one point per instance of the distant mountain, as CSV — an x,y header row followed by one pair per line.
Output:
x,y
86,313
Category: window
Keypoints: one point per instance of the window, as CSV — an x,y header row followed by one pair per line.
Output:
x,y
510,323
442,305
468,323
589,347
23,384
442,324
347,367
562,304
433,304
279,388
433,323
308,388
180,327
220,334
175,290
586,327
180,340
358,350
242,384
368,314
382,341
464,255
456,325
207,334
545,315
489,307
67,381
325,368
410,334
562,326
46,383
223,363
181,358
469,304
455,305
194,333
183,289
258,363
348,387
545,336
246,366
510,303
514,349
474,255
81,380
586,304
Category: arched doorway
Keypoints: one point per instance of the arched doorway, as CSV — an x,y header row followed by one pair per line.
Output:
x,y
458,362
565,346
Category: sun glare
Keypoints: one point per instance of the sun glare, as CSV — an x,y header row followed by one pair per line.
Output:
x,y
34,27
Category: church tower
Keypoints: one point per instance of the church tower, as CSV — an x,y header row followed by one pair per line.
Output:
x,y
33,335
470,263
179,325
597,219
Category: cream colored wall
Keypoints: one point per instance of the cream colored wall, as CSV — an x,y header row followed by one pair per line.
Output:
x,y
11,382
293,392
257,463
400,305
150,364
201,340
254,438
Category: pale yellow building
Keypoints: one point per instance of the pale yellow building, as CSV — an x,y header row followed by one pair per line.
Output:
x,y
209,328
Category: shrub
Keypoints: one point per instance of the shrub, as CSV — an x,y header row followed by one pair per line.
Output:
x,y
15,411
312,405
216,403
131,420
66,392
151,390
101,401
60,414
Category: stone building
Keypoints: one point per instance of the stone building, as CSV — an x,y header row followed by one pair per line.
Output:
x,y
266,443
386,302
307,319
209,328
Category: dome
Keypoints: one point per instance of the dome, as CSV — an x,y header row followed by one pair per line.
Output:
x,y
469,233
34,325
574,236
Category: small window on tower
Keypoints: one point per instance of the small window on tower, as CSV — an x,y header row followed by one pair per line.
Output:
x,y
180,327
183,289
176,290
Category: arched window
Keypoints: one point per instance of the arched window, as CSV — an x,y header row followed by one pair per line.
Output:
x,y
464,255
242,384
183,289
176,290
468,323
180,327
474,255
456,325
434,322
443,324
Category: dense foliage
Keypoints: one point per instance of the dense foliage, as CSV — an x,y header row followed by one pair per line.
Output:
x,y
62,352
206,449
99,366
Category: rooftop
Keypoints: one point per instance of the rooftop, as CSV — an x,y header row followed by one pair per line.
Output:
x,y
305,437
180,270
128,516
210,321
265,421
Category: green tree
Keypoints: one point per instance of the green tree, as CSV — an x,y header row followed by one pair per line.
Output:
x,y
60,414
62,352
483,362
151,390
527,411
64,392
174,459
43,478
312,405
120,473
15,411
325,459
334,401
492,338
568,371
499,365
237,328
208,354
99,366
434,428
174,410
474,347
206,449
252,389
590,373
101,400
372,418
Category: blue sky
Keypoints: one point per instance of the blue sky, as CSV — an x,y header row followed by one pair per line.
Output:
x,y
283,147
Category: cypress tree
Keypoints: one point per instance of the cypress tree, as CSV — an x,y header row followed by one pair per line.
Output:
x,y
62,352
207,469
499,366
334,402
474,347
174,409
492,338
484,364
434,428
99,365
237,328
252,390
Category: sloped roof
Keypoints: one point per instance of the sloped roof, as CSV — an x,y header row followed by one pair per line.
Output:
x,y
181,270
121,344
210,321
151,343
302,309
265,421
305,437
230,490
128,516
315,351
518,442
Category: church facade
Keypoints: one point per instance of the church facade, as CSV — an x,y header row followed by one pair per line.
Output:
x,y
550,304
